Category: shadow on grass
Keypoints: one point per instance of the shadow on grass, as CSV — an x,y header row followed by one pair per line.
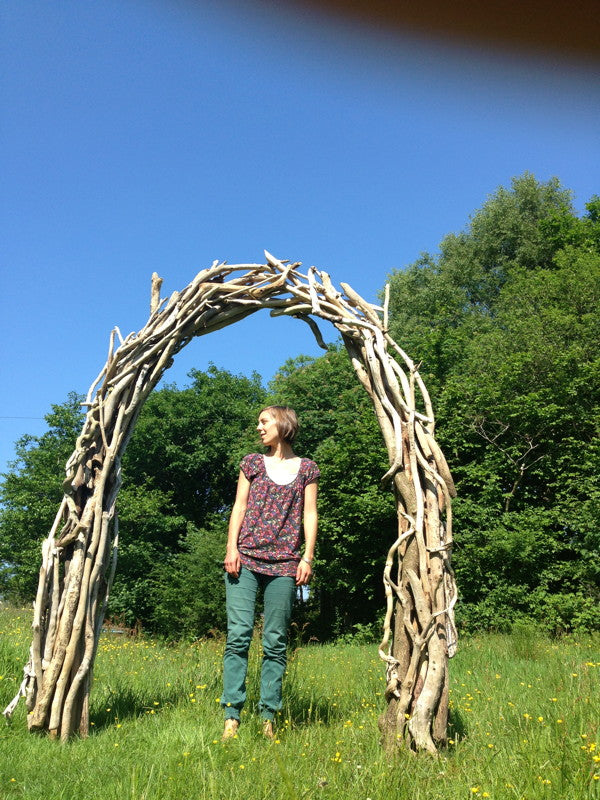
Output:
x,y
457,727
126,703
305,711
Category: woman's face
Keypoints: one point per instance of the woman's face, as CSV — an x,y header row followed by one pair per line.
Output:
x,y
267,429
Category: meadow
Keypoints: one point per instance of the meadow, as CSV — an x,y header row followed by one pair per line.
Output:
x,y
525,713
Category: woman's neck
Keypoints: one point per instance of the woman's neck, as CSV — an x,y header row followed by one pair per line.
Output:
x,y
281,451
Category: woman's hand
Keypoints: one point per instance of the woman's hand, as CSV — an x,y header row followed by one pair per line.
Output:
x,y
303,573
232,562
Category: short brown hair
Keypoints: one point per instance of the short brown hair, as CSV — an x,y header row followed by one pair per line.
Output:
x,y
286,421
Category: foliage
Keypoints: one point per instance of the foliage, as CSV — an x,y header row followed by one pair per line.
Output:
x,y
356,515
180,472
188,443
30,494
189,592
504,321
150,531
510,354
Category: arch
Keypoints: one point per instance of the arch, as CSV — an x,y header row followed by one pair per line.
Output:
x,y
79,555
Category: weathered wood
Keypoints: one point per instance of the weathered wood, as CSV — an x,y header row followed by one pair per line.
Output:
x,y
155,293
79,555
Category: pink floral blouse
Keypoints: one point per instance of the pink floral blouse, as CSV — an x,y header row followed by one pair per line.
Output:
x,y
269,540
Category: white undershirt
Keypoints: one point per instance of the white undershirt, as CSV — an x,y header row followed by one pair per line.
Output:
x,y
282,469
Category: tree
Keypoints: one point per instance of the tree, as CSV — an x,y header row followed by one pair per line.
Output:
x,y
29,494
439,303
356,514
180,473
507,315
529,394
188,443
189,592
505,322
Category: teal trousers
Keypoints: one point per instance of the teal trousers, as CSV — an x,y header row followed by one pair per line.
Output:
x,y
241,594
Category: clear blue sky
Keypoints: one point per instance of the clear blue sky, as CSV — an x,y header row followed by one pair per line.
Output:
x,y
143,135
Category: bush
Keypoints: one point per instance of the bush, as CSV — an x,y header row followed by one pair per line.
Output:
x,y
189,593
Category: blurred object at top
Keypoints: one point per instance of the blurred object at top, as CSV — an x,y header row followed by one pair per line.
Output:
x,y
559,28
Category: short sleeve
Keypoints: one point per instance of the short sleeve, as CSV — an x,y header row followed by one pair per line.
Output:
x,y
250,465
312,473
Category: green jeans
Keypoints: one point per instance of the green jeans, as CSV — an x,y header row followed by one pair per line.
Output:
x,y
241,593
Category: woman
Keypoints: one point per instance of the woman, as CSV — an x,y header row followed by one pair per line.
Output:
x,y
275,493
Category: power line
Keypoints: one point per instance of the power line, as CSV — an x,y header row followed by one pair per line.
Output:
x,y
22,417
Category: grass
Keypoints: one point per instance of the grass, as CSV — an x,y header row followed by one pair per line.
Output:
x,y
524,724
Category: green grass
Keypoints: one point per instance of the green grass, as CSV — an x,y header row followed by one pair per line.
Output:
x,y
525,714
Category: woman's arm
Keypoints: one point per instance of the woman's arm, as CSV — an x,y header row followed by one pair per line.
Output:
x,y
311,522
232,561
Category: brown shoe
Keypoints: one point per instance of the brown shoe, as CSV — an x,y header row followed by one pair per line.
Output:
x,y
230,730
268,729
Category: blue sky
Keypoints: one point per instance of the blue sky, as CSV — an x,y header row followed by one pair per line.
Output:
x,y
159,135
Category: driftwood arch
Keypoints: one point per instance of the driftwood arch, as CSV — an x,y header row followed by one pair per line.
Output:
x,y
79,554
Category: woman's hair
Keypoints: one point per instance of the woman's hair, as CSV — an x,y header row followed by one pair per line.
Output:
x,y
286,421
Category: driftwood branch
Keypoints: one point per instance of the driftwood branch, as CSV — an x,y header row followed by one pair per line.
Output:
x,y
79,554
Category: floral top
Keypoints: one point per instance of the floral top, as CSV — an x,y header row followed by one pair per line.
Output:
x,y
269,540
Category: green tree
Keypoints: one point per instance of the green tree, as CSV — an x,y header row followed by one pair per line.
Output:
x,y
30,494
180,473
504,322
357,518
188,442
440,302
189,593
508,318
179,478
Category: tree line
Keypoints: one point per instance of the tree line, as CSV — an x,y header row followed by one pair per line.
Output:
x,y
504,321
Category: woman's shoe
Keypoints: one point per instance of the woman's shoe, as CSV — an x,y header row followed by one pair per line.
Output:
x,y
230,730
268,729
